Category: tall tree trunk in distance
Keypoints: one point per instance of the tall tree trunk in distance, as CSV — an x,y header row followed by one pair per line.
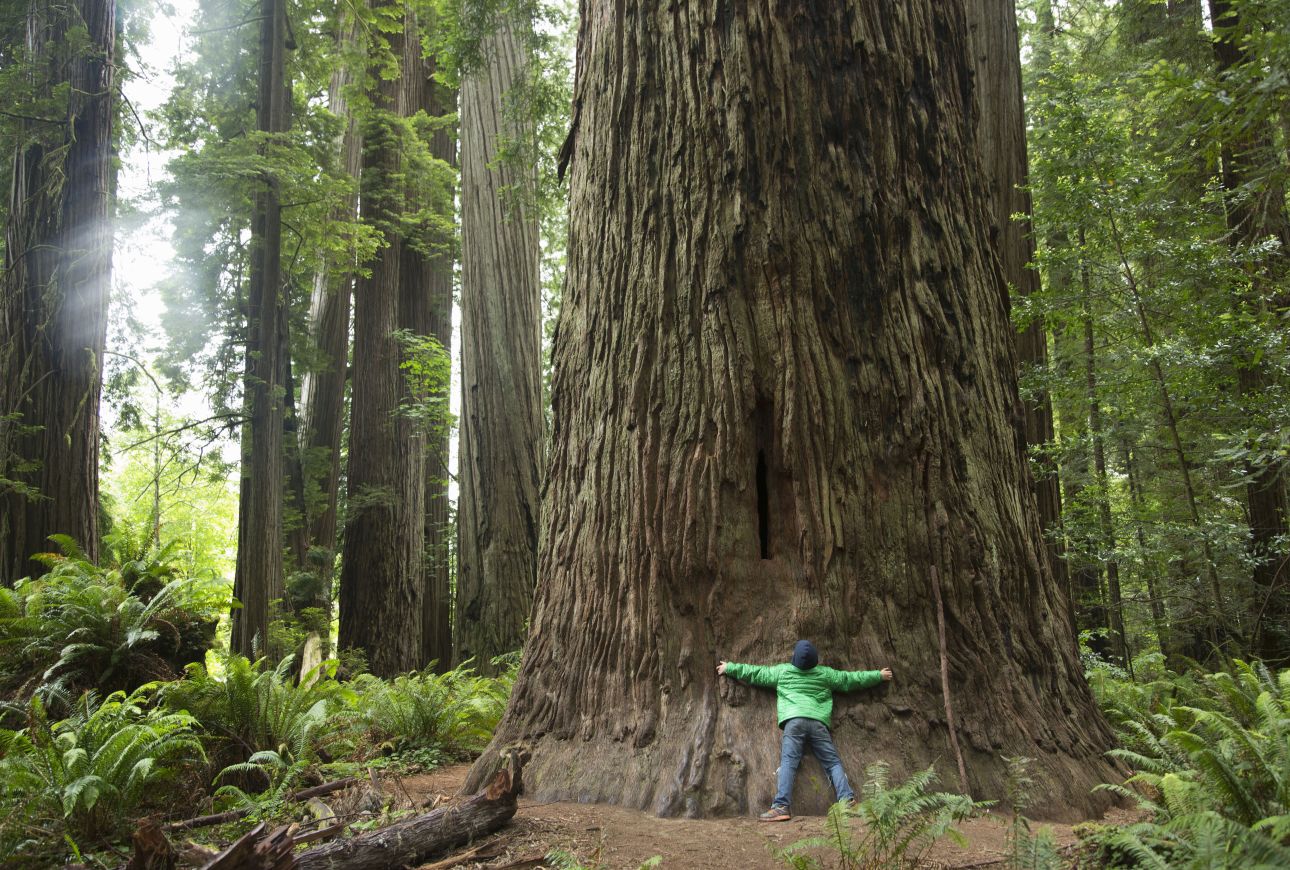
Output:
x,y
501,370
1113,600
382,581
419,312
55,285
784,405
1001,140
1256,211
1159,613
436,622
258,578
323,413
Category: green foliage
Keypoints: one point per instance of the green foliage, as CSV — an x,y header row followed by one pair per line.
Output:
x,y
1027,850
1212,761
899,824
260,723
455,712
85,777
78,628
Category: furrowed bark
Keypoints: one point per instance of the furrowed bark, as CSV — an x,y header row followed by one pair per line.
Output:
x,y
783,350
1001,142
501,404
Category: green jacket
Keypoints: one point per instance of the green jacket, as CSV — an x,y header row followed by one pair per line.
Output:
x,y
808,694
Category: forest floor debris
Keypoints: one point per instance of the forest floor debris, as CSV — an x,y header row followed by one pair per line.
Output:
x,y
612,837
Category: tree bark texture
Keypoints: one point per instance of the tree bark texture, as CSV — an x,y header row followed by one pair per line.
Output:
x,y
55,285
1001,142
323,410
436,620
382,579
784,393
501,360
258,579
425,308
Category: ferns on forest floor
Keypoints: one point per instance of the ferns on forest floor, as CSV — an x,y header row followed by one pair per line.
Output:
x,y
1211,762
899,824
83,778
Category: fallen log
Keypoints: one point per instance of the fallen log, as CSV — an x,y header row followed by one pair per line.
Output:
x,y
234,815
413,840
255,851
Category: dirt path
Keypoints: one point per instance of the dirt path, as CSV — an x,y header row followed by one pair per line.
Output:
x,y
615,838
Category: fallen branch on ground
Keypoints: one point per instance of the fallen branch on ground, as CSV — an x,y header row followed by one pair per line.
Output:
x,y
412,840
234,815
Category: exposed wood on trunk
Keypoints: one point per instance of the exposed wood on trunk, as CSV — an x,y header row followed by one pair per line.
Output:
x,y
258,580
783,346
501,404
413,840
150,850
54,290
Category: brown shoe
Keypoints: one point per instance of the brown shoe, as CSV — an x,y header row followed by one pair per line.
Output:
x,y
776,814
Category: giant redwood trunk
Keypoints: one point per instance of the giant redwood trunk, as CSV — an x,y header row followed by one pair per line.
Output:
x,y
258,580
1001,142
785,406
501,364
55,287
382,578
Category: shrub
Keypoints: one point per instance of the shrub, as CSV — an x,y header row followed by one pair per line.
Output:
x,y
251,709
900,823
455,712
1211,757
84,777
78,628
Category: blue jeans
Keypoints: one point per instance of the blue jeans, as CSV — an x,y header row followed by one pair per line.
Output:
x,y
798,734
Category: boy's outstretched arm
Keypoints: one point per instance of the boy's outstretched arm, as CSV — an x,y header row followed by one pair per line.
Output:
x,y
849,681
766,676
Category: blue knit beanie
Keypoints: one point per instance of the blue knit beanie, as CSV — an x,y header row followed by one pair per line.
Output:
x,y
804,655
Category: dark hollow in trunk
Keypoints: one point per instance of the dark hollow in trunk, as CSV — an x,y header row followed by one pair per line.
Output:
x,y
782,213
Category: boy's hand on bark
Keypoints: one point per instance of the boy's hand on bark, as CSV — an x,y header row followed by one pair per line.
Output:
x,y
886,674
721,668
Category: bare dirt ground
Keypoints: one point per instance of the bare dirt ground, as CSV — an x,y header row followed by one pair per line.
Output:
x,y
613,837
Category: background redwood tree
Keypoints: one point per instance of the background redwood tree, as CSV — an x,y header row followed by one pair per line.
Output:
x,y
55,284
784,406
501,363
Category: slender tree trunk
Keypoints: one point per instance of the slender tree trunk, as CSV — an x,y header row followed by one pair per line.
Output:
x,y
1217,625
436,622
784,400
1159,614
1256,212
501,365
1001,137
322,423
382,580
1114,604
55,286
258,581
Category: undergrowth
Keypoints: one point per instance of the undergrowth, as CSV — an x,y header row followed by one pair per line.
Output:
x,y
898,825
1210,756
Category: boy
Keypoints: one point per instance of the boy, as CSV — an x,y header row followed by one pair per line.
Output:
x,y
804,702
